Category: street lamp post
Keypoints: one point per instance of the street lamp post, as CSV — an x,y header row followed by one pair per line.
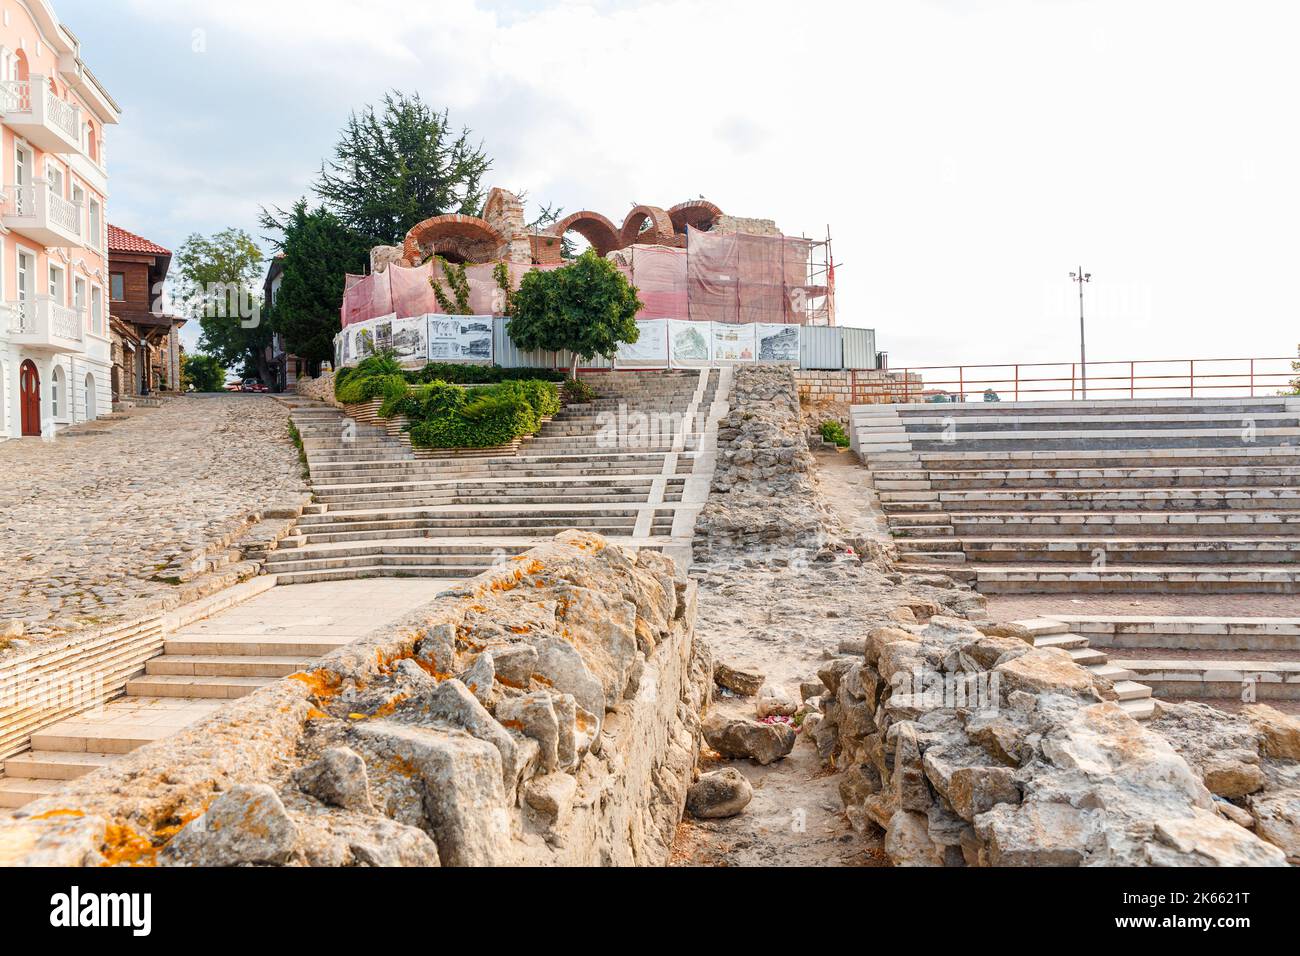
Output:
x,y
1081,277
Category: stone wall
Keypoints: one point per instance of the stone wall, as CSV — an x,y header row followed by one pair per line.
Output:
x,y
762,496
545,712
320,388
971,747
822,387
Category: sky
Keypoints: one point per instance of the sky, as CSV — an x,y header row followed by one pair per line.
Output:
x,y
965,155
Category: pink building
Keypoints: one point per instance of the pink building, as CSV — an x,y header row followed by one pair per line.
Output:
x,y
55,358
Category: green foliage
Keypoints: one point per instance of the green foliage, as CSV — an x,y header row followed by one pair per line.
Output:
x,y
576,390
296,437
375,376
447,416
317,250
587,307
458,302
202,373
400,165
501,272
227,262
479,374
833,431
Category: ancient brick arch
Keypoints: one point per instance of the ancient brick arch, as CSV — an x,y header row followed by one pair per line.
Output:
x,y
699,213
660,232
455,237
592,226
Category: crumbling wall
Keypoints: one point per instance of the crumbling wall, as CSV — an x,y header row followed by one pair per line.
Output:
x,y
763,494
972,747
546,712
320,388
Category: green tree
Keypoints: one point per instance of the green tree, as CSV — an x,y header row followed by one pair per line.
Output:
x,y
399,165
216,278
203,373
588,307
318,250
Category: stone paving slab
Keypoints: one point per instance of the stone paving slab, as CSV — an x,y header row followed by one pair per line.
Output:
x,y
87,520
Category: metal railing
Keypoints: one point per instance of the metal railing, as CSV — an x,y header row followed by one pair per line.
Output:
x,y
1061,381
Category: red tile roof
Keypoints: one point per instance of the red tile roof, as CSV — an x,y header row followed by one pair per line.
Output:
x,y
119,240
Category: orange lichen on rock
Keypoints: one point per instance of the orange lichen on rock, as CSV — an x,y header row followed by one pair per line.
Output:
x,y
519,628
51,814
124,847
390,706
314,713
322,683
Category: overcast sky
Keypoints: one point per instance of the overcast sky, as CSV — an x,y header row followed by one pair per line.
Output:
x,y
966,155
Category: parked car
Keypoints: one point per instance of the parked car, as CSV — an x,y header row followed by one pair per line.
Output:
x,y
234,386
253,385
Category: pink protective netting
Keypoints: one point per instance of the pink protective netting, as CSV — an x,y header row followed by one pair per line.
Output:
x,y
718,277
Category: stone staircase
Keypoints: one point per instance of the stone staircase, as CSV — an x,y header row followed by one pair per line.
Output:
x,y
202,666
1135,496
1134,697
1239,659
634,465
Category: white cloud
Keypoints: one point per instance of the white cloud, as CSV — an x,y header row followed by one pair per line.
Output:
x,y
966,155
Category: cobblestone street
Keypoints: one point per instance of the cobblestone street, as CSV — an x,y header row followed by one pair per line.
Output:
x,y
96,523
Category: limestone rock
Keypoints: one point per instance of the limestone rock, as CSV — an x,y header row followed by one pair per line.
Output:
x,y
907,840
976,790
458,778
744,683
1281,731
1232,774
56,840
514,663
451,701
247,824
1044,668
337,778
551,796
1277,820
720,793
480,677
534,716
1037,834
737,737
1206,839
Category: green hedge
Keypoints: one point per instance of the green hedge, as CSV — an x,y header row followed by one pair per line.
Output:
x,y
480,417
501,405
459,374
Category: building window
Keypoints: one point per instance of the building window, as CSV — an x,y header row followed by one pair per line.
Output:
x,y
97,310
117,286
58,291
79,297
96,237
56,392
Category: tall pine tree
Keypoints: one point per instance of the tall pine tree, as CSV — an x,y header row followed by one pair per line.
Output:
x,y
399,165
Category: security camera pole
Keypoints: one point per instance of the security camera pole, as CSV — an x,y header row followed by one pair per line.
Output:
x,y
1081,277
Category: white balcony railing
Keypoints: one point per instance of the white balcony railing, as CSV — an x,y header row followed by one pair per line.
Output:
x,y
41,322
38,210
31,106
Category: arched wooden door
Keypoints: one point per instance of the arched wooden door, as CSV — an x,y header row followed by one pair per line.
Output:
x,y
29,398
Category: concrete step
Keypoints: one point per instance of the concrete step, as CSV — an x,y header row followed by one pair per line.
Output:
x,y
1065,641
1112,671
1058,500
1140,709
1132,690
225,665
18,792
1209,634
1138,579
179,685
1161,550
55,764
